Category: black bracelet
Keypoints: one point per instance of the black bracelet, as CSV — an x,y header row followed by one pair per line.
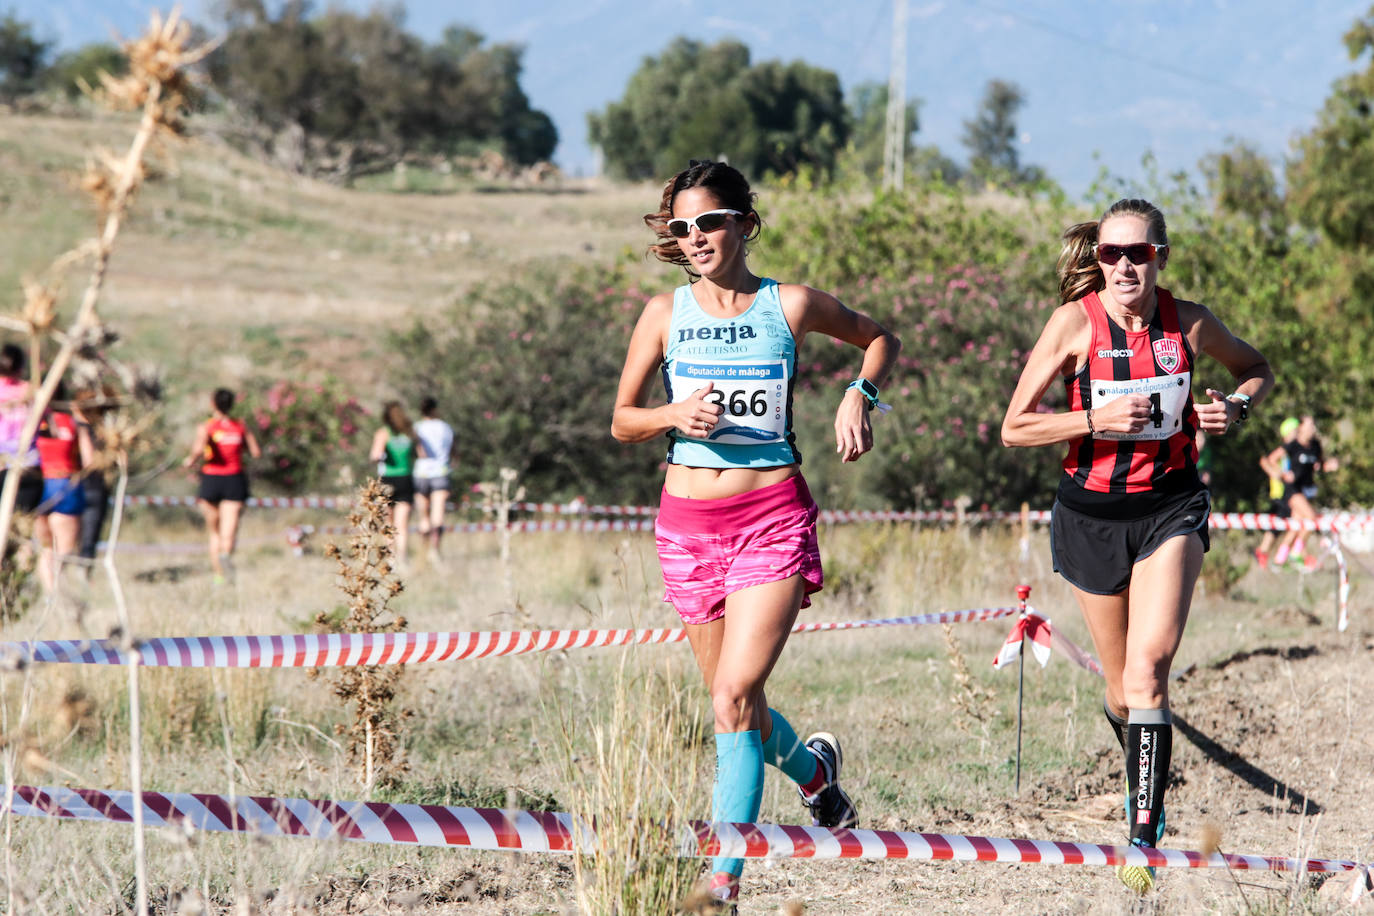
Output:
x,y
1091,430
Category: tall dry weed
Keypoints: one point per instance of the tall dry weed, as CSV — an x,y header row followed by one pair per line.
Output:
x,y
973,702
367,576
156,85
630,754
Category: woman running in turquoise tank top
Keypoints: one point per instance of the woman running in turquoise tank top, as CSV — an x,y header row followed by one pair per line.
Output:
x,y
736,528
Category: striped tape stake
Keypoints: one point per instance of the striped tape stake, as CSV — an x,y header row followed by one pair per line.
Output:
x,y
534,831
331,650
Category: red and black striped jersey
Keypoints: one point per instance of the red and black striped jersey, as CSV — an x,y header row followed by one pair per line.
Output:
x,y
1156,362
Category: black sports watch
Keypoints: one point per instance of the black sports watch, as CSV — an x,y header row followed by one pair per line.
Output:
x,y
1244,401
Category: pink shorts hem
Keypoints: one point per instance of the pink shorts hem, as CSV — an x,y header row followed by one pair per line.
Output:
x,y
710,549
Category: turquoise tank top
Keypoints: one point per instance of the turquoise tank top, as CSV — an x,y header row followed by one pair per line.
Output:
x,y
751,361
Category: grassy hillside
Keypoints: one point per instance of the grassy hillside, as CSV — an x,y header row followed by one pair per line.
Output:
x,y
232,270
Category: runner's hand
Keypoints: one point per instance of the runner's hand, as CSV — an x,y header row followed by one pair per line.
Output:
x,y
695,416
853,430
1214,418
1126,414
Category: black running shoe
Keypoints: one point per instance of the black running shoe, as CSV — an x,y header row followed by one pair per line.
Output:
x,y
830,807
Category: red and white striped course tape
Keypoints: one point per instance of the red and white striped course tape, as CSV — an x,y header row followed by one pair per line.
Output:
x,y
534,831
259,502
329,650
1249,521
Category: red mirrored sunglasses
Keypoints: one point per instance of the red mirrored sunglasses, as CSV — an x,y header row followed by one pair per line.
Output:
x,y
1139,253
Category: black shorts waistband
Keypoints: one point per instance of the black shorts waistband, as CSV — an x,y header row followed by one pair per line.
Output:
x,y
1178,486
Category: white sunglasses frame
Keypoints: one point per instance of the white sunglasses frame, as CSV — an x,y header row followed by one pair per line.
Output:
x,y
692,222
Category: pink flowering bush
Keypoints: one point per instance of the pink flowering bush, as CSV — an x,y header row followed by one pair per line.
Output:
x,y
307,433
966,333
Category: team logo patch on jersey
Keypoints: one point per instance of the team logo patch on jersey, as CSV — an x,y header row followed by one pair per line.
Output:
x,y
1167,355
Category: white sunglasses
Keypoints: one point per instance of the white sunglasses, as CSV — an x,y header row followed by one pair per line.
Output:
x,y
709,221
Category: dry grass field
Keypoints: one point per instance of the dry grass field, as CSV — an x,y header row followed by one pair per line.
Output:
x,y
1272,703
229,268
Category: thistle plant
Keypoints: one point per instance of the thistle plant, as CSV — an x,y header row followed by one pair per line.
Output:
x,y
367,576
156,85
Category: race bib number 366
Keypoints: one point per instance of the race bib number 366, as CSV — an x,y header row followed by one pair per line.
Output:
x,y
752,398
1168,396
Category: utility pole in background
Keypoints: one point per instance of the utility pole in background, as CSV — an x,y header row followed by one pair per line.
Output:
x,y
894,149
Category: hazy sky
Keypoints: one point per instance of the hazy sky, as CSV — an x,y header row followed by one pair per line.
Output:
x,y
1175,77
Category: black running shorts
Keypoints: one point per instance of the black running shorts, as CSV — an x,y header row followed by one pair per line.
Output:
x,y
30,489
1097,554
219,488
402,488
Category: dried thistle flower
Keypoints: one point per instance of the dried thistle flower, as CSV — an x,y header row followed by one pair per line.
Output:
x,y
117,436
92,338
1210,840
40,307
147,383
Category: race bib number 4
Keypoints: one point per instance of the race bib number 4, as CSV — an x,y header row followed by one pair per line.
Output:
x,y
752,398
1168,396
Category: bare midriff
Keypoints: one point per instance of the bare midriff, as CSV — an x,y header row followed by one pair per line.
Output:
x,y
718,483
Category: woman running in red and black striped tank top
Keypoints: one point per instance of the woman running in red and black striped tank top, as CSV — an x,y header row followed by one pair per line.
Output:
x,y
1129,526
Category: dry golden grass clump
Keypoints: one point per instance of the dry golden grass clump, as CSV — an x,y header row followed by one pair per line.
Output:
x,y
635,778
973,701
368,577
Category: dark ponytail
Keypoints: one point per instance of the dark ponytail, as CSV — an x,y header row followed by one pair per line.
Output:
x,y
726,184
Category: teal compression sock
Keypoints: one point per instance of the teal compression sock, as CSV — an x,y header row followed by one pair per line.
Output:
x,y
784,750
739,786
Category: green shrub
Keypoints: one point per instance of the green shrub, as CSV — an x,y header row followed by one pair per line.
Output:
x,y
526,371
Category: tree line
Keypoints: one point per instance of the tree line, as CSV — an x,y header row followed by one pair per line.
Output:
x,y
332,93
342,93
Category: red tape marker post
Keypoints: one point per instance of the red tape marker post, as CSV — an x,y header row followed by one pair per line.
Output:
x,y
331,650
532,831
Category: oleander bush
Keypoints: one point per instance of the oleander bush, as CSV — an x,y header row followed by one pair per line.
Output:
x,y
313,436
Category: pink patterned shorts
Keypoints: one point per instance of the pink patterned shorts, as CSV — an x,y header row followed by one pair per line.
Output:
x,y
711,548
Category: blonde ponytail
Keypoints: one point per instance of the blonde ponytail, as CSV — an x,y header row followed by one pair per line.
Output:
x,y
1079,273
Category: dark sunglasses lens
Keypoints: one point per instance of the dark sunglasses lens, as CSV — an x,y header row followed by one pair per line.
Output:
x,y
1142,253
679,228
710,222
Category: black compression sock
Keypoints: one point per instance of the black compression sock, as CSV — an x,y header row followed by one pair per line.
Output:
x,y
1117,723
1149,744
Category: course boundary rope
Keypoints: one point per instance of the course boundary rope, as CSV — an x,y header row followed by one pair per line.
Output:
x,y
1248,521
560,832
328,650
